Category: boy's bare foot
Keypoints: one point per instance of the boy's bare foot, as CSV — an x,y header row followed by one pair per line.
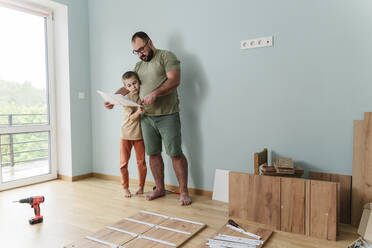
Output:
x,y
185,199
139,191
127,193
155,194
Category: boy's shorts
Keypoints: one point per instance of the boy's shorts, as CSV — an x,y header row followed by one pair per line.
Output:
x,y
166,128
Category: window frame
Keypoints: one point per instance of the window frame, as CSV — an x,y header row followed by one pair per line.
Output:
x,y
51,127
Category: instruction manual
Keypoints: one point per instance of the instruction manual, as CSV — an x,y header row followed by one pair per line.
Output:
x,y
117,99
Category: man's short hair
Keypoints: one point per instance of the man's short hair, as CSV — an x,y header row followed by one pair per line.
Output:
x,y
142,35
130,74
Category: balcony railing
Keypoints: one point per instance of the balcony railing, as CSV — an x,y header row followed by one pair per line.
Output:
x,y
11,144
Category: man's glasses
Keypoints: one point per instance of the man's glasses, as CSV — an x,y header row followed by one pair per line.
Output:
x,y
140,50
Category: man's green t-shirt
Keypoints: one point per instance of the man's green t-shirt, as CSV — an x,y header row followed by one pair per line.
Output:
x,y
153,74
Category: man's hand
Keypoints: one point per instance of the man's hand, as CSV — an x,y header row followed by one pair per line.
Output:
x,y
108,105
149,99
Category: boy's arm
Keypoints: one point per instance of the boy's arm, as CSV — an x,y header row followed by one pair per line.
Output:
x,y
122,91
135,115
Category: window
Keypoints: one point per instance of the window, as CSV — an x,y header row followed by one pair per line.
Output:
x,y
26,89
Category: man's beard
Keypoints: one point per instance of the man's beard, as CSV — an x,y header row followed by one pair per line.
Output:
x,y
148,57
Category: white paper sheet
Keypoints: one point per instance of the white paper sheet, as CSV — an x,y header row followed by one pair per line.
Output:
x,y
117,99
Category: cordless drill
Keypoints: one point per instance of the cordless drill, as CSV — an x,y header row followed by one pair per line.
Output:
x,y
34,202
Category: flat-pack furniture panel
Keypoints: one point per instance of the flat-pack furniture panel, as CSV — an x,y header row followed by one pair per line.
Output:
x,y
345,192
109,235
255,198
292,209
362,167
265,234
173,231
323,209
145,229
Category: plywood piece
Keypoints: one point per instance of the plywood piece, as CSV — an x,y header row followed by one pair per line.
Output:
x,y
283,163
362,167
323,209
264,233
168,236
307,207
113,236
127,240
292,193
255,198
345,192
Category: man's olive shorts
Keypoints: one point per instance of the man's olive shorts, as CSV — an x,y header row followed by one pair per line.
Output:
x,y
166,128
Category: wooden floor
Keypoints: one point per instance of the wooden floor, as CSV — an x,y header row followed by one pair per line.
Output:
x,y
74,209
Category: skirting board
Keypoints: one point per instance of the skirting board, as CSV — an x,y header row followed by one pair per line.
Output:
x,y
192,191
75,178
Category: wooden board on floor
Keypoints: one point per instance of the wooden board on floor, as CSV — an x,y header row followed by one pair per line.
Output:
x,y
255,198
362,167
182,231
264,233
345,192
168,236
323,209
292,207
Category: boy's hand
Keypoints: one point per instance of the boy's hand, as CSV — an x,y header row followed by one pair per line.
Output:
x,y
108,105
140,110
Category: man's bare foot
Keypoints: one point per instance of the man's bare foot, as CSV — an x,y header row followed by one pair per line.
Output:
x,y
185,199
127,193
139,191
155,194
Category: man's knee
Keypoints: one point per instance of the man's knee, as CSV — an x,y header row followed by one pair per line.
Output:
x,y
156,156
178,157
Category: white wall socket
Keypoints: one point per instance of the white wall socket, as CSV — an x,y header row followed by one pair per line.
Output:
x,y
81,95
255,43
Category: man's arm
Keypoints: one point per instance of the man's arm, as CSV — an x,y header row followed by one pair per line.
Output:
x,y
122,91
172,82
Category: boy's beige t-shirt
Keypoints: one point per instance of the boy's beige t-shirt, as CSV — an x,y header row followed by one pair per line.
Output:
x,y
131,130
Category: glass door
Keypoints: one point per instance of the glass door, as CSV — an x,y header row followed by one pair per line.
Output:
x,y
27,133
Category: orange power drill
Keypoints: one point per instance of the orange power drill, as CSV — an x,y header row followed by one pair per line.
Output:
x,y
34,201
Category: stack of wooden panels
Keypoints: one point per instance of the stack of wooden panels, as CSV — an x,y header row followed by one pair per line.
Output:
x,y
362,167
145,229
226,229
295,205
272,171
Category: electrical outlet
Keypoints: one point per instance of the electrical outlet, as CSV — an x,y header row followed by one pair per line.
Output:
x,y
255,43
81,95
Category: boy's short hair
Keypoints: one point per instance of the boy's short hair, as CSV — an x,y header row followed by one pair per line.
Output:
x,y
142,35
130,74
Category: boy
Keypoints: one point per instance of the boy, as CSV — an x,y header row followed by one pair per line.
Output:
x,y
131,135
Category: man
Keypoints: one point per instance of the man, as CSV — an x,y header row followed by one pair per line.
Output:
x,y
159,72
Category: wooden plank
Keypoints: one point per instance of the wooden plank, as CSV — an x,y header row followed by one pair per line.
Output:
x,y
129,225
113,236
345,192
264,233
255,198
292,194
362,167
323,210
170,236
307,207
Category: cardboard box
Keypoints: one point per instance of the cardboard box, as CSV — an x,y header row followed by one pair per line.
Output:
x,y
365,226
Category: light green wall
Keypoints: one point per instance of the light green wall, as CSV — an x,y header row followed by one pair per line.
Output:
x,y
298,98
81,132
